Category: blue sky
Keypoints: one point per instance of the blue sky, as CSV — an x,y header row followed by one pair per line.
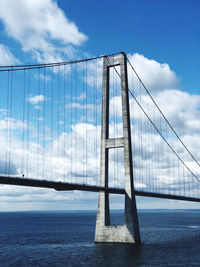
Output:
x,y
151,32
166,31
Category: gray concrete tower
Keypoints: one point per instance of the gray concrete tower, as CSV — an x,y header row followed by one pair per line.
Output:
x,y
129,232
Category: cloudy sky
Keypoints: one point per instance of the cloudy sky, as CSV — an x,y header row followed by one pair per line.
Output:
x,y
162,40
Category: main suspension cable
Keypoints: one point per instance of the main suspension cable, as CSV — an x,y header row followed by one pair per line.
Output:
x,y
158,129
162,113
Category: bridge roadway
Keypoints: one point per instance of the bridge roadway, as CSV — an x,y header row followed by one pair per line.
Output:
x,y
61,186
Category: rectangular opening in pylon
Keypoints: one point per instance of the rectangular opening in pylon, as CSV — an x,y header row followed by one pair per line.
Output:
x,y
116,203
116,170
115,103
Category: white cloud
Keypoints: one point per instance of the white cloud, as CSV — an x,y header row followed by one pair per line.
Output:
x,y
82,106
181,109
63,159
82,96
12,124
6,57
156,76
93,75
36,99
37,25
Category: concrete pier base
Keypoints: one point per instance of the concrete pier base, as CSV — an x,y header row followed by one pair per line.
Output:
x,y
114,234
129,232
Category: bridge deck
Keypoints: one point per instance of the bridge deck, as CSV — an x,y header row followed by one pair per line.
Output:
x,y
61,186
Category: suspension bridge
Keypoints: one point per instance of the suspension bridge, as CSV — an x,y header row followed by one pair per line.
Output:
x,y
92,125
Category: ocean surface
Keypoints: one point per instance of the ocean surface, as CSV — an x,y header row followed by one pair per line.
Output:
x,y
170,238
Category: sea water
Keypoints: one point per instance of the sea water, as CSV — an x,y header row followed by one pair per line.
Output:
x,y
66,238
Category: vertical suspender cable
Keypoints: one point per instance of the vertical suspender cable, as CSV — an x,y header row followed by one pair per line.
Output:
x,y
76,124
7,121
95,101
64,108
71,166
44,118
52,104
83,112
94,118
86,123
23,121
38,124
28,125
58,123
10,130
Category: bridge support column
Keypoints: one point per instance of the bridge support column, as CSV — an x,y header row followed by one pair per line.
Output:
x,y
129,232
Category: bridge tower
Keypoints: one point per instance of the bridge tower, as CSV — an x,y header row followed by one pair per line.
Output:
x,y
105,232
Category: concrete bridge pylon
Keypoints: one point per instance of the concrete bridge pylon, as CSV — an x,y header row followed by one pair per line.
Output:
x,y
105,232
